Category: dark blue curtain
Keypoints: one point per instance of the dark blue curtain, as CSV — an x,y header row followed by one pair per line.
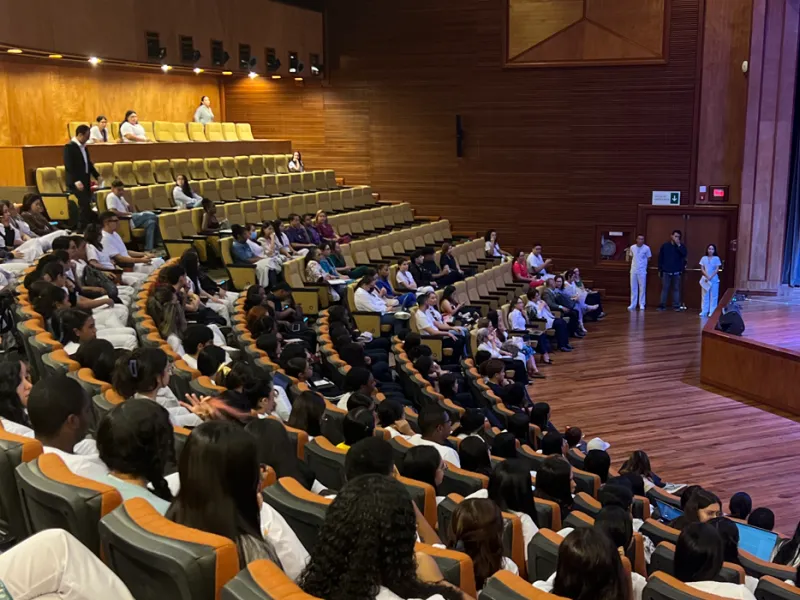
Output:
x,y
791,247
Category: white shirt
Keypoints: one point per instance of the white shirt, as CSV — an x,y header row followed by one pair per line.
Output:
x,y
517,320
136,130
387,594
114,202
114,245
492,249
89,466
101,256
203,114
407,279
95,135
535,264
425,321
290,550
16,429
529,528
639,257
491,349
182,200
367,302
446,452
712,265
83,152
257,249
282,405
637,580
726,590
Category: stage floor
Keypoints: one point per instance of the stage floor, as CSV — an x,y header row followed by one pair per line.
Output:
x,y
772,321
635,382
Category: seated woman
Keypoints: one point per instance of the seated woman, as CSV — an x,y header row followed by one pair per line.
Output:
x,y
448,259
476,529
358,424
450,385
356,520
367,299
210,224
77,327
183,195
405,280
315,274
474,455
455,312
554,483
639,463
425,464
492,247
504,445
699,555
35,215
136,442
15,386
538,309
219,468
518,321
701,506
276,449
98,134
520,270
385,289
296,164
47,299
510,488
284,245
376,348
130,131
326,231
589,566
326,250
271,247
392,418
22,250
590,297
98,257
488,342
199,283
307,412
571,301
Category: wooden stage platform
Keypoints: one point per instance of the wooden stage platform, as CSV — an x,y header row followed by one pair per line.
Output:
x,y
764,363
635,382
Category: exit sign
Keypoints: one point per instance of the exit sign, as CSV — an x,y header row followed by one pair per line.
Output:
x,y
666,198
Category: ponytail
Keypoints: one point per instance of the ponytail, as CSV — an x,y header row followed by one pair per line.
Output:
x,y
66,321
138,371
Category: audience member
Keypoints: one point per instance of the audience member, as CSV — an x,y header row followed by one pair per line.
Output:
x,y
474,455
275,449
35,215
504,445
99,356
15,387
296,164
425,464
763,518
203,113
243,254
117,205
326,231
307,412
183,195
554,483
130,130
787,552
639,463
210,223
98,134
358,424
597,462
574,437
701,506
617,524
492,247
298,235
435,425
391,417
740,505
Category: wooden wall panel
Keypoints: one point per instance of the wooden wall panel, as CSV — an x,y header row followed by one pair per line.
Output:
x,y
723,102
549,153
38,99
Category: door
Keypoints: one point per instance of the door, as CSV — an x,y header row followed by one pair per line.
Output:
x,y
701,226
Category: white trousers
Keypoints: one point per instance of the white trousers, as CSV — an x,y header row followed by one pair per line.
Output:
x,y
223,306
46,241
53,565
263,268
110,316
638,288
120,337
710,299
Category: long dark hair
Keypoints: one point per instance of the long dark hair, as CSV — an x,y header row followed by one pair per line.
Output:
x,y
474,455
638,462
476,529
367,542
10,403
504,445
138,371
729,533
94,235
553,482
589,568
220,480
698,499
190,261
185,188
510,487
99,356
67,321
135,438
421,463
276,450
307,413
47,296
698,553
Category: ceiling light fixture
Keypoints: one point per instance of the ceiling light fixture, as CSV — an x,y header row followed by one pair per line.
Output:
x,y
298,79
227,72
14,51
276,76
54,56
197,70
252,74
166,68
94,61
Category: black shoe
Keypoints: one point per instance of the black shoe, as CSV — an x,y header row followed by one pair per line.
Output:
x,y
661,308
602,315
565,349
579,334
678,309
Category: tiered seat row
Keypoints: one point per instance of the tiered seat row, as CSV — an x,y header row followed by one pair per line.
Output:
x,y
168,131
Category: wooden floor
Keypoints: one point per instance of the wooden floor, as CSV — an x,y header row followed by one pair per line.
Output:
x,y
634,381
773,323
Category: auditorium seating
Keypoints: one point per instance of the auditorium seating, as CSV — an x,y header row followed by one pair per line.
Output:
x,y
169,131
304,511
504,585
14,451
262,580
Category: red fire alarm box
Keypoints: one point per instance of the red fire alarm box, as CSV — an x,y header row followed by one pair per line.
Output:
x,y
718,194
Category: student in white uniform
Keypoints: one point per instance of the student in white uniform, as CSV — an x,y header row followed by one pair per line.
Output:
x,y
76,327
699,555
60,412
491,246
99,257
99,134
203,114
638,255
141,262
710,265
53,564
183,195
425,464
538,265
435,425
357,520
130,131
147,220
15,387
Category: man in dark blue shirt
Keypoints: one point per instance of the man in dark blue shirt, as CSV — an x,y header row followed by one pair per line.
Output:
x,y
671,265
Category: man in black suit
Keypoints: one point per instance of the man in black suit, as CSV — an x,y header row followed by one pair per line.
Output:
x,y
79,168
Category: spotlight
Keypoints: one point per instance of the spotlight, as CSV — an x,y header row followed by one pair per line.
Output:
x,y
227,72
54,56
276,76
197,70
274,64
295,66
14,51
298,79
94,61
247,65
316,71
165,68
252,74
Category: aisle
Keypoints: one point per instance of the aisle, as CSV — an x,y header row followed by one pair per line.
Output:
x,y
635,382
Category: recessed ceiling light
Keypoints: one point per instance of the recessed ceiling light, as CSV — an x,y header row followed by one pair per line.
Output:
x,y
276,76
197,70
298,79
14,51
54,56
94,61
252,74
227,72
165,68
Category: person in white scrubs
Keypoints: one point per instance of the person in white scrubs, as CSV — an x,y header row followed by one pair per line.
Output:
x,y
710,265
638,255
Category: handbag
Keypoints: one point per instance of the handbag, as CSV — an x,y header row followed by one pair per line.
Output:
x,y
94,277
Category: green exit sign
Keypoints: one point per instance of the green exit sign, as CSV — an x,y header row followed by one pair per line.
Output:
x,y
666,198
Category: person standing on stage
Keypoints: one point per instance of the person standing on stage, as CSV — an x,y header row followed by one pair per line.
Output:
x,y
710,265
78,169
671,265
638,255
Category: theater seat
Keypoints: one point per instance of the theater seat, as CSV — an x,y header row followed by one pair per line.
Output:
x,y
157,558
213,168
179,166
196,169
163,131
661,586
663,559
52,496
55,197
242,163
196,132
262,580
106,172
303,510
214,132
758,568
459,481
658,532
179,132
14,451
148,130
456,567
143,170
244,132
548,514
257,164
229,132
58,362
327,462
504,585
123,170
228,166
770,588
543,554
423,495
72,126
162,172
104,402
